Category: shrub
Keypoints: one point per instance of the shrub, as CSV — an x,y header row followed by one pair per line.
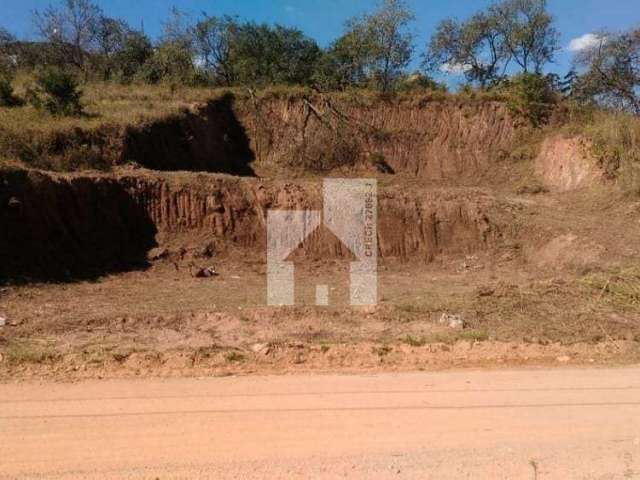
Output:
x,y
530,96
615,141
418,82
57,92
7,97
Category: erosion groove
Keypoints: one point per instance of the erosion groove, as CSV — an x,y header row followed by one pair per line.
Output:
x,y
447,142
439,141
84,225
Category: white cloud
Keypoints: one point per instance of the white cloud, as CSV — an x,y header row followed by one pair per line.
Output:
x,y
454,68
290,9
587,40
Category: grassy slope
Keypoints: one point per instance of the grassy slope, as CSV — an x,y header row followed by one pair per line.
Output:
x,y
33,138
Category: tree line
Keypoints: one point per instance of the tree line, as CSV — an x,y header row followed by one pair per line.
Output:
x,y
510,41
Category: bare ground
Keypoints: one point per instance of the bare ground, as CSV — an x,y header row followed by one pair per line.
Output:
x,y
165,322
540,274
535,423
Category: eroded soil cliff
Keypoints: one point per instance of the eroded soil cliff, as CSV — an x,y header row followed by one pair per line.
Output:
x,y
519,235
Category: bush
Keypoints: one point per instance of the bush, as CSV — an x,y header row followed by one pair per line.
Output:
x,y
57,92
418,82
7,98
171,62
531,96
615,141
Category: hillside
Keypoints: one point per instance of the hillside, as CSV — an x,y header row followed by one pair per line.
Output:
x,y
527,233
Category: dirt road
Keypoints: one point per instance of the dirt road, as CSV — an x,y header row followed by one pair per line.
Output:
x,y
493,424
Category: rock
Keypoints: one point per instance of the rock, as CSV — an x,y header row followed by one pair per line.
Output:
x,y
3,321
452,321
206,272
14,204
157,253
263,348
563,359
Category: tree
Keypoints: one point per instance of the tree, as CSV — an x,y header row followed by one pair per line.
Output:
x,y
531,96
170,61
612,76
7,61
344,63
527,31
6,37
568,83
177,27
173,58
475,48
74,23
214,38
262,55
380,45
110,38
135,51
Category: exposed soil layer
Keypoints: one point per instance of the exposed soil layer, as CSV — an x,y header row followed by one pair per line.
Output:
x,y
210,138
442,141
464,228
86,225
73,227
565,163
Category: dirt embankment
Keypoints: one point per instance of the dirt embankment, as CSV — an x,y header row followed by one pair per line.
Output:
x,y
82,226
444,141
566,163
68,226
448,141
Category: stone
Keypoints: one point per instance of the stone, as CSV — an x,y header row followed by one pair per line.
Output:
x,y
563,359
206,272
14,203
263,348
454,321
3,321
157,253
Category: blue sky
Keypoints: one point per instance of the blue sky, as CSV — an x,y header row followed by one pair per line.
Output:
x,y
324,19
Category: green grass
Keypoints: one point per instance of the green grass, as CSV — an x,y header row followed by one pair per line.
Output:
x,y
234,357
18,353
415,341
448,338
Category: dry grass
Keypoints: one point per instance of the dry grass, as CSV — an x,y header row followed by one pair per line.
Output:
x,y
29,352
105,103
34,138
616,287
616,143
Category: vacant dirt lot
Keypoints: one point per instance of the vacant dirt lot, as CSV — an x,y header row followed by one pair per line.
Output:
x,y
517,232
